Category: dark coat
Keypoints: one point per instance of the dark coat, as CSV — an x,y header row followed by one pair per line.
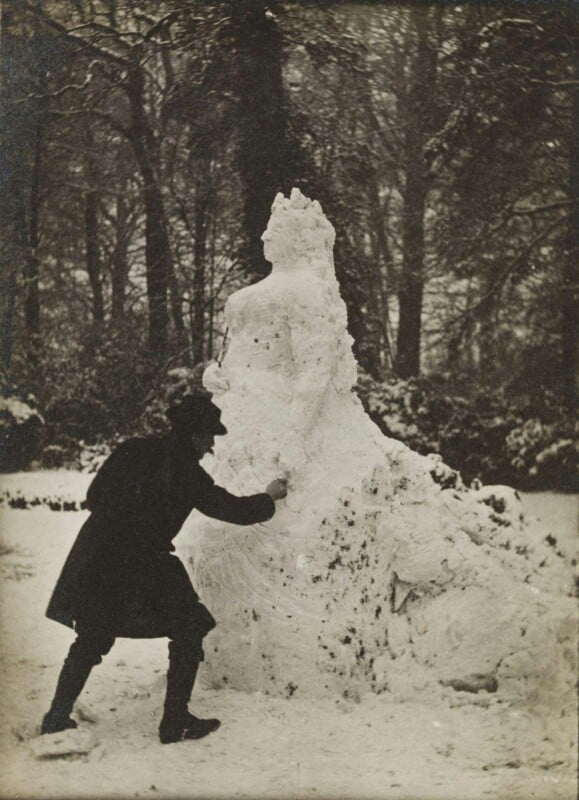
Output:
x,y
120,574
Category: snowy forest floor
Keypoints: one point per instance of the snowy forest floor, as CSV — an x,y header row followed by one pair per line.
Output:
x,y
466,747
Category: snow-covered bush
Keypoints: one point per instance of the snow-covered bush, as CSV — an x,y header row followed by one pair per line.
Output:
x,y
486,436
469,434
21,432
54,456
544,454
91,456
397,407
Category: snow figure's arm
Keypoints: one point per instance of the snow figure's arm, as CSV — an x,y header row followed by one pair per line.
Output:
x,y
215,379
314,355
216,502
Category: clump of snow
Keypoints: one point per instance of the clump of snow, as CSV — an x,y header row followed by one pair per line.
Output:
x,y
18,411
442,474
371,576
92,456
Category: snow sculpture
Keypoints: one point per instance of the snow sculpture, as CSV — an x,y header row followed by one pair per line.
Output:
x,y
370,577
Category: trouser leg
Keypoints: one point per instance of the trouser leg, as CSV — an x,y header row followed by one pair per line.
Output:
x,y
185,655
85,653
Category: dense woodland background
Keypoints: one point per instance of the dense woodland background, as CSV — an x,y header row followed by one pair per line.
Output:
x,y
143,142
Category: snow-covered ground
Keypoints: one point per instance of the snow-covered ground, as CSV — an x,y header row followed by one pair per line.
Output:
x,y
463,746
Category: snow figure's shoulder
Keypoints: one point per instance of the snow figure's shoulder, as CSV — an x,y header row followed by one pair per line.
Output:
x,y
302,293
242,296
249,302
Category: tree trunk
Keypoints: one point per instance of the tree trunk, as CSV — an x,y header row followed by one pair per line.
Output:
x,y
211,305
157,250
91,227
93,265
32,264
411,289
120,271
264,154
485,316
569,299
410,294
176,297
22,83
202,203
11,256
383,269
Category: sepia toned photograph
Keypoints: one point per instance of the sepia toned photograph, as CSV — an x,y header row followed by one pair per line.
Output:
x,y
289,493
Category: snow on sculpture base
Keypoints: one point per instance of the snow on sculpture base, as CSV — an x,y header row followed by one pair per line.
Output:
x,y
370,577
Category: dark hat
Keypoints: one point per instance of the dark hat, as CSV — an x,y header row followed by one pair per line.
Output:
x,y
196,413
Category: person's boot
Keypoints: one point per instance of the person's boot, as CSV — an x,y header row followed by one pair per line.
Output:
x,y
52,722
191,728
73,676
178,724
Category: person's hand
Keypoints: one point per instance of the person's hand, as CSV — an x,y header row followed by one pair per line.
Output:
x,y
277,489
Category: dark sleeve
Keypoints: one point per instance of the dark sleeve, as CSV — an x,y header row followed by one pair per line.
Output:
x,y
216,502
107,485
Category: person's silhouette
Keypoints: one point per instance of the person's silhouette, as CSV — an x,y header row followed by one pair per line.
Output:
x,y
121,578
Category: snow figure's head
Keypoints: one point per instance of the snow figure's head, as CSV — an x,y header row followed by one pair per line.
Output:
x,y
298,234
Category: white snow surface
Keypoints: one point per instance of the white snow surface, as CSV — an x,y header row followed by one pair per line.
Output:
x,y
370,577
456,746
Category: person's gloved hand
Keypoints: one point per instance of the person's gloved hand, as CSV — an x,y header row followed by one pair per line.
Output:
x,y
277,489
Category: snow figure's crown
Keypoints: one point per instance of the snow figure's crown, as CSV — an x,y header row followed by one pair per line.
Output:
x,y
298,233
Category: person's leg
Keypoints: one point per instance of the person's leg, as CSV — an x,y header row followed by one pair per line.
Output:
x,y
185,655
85,653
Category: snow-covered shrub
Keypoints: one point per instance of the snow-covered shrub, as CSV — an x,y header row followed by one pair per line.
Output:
x,y
473,438
21,432
54,456
469,434
99,389
397,407
92,456
486,436
542,454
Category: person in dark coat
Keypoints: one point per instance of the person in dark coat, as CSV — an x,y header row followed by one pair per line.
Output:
x,y
121,577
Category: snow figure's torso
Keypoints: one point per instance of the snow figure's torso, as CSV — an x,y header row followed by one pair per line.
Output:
x,y
290,371
360,579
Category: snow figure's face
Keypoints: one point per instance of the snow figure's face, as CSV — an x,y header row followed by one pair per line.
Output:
x,y
298,235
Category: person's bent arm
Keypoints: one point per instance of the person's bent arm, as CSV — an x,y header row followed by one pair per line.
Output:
x,y
216,502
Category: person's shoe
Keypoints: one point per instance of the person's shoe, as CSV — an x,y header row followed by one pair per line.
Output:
x,y
191,728
55,723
